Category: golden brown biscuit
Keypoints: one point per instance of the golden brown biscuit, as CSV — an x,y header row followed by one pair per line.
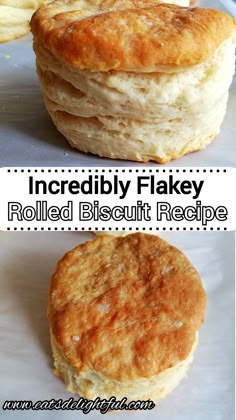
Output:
x,y
124,315
130,39
130,82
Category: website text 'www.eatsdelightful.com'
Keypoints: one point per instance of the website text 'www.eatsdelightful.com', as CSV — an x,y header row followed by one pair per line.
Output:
x,y
81,404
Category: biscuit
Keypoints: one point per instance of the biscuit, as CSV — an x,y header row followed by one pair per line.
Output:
x,y
136,83
15,16
120,233
14,22
124,317
112,233
24,4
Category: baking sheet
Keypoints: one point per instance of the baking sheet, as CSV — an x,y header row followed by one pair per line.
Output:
x,y
27,260
28,138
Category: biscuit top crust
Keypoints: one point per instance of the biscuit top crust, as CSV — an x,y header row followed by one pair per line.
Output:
x,y
130,35
126,307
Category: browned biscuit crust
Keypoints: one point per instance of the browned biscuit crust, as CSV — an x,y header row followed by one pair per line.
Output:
x,y
128,35
135,303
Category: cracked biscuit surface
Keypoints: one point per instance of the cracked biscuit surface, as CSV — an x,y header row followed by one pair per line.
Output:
x,y
129,35
124,316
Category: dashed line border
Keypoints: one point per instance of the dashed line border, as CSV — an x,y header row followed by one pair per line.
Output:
x,y
123,229
115,170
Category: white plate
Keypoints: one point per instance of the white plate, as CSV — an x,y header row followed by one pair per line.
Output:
x,y
28,138
27,260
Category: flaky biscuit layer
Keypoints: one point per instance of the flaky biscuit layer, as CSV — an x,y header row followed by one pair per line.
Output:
x,y
15,16
14,22
147,116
